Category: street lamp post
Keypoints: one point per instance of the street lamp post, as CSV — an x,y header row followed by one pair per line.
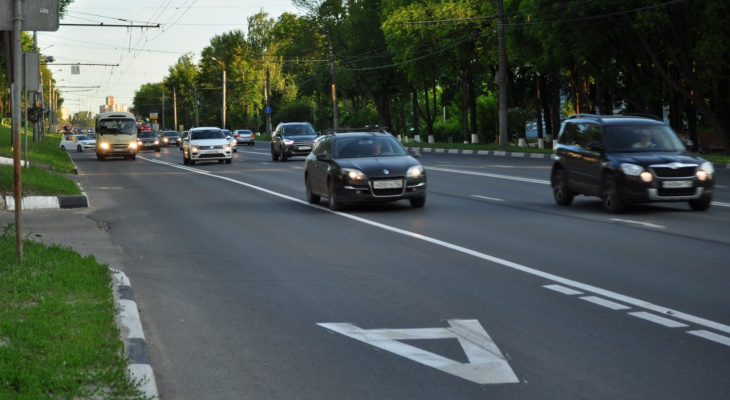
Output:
x,y
224,90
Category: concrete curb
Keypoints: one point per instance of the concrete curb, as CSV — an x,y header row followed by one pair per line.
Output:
x,y
46,202
132,334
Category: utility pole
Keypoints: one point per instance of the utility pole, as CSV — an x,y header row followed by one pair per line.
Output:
x,y
223,65
162,117
268,105
174,106
502,76
17,86
335,114
195,97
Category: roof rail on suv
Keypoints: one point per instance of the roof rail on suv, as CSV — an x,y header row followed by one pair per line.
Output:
x,y
366,128
644,115
593,116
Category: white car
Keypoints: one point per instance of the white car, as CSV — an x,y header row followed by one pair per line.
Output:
x,y
78,142
206,144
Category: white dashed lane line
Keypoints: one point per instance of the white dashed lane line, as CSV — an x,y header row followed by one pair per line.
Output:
x,y
647,316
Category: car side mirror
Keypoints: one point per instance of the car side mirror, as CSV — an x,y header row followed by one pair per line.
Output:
x,y
415,154
688,144
322,157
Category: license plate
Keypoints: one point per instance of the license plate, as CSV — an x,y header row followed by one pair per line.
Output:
x,y
305,147
119,149
676,184
392,184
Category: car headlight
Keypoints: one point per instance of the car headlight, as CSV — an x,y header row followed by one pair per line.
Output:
x,y
415,171
132,145
354,176
631,169
157,142
195,149
636,170
706,171
104,145
288,142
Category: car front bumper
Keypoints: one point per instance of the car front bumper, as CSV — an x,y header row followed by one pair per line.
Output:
x,y
632,189
366,194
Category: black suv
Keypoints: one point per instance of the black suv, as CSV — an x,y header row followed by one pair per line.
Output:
x,y
627,159
292,139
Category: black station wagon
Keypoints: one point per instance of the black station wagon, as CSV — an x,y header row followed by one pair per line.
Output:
x,y
627,159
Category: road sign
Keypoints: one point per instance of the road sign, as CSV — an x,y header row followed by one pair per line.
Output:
x,y
267,110
486,363
38,15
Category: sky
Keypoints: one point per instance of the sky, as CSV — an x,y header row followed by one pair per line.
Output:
x,y
116,61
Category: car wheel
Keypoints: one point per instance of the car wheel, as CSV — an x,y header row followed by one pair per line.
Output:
x,y
79,148
701,204
311,197
283,156
610,196
157,149
100,157
274,156
63,147
133,157
334,205
221,161
228,161
418,202
563,196
191,161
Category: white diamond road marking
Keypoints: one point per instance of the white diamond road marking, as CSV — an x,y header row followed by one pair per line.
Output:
x,y
487,365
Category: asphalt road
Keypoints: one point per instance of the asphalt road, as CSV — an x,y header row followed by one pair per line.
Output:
x,y
490,291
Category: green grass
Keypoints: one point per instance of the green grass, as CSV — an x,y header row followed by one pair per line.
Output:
x,y
58,336
48,164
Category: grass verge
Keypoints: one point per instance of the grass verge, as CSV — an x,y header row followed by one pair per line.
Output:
x,y
48,163
58,336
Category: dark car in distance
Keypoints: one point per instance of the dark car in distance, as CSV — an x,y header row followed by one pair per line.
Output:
x,y
627,159
292,139
148,140
170,138
363,167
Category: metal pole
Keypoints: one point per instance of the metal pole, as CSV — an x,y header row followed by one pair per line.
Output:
x,y
268,105
224,96
502,77
15,112
335,113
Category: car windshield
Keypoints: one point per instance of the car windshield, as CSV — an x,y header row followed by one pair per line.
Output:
x,y
171,134
83,137
359,146
207,134
297,130
243,132
643,139
117,126
145,135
